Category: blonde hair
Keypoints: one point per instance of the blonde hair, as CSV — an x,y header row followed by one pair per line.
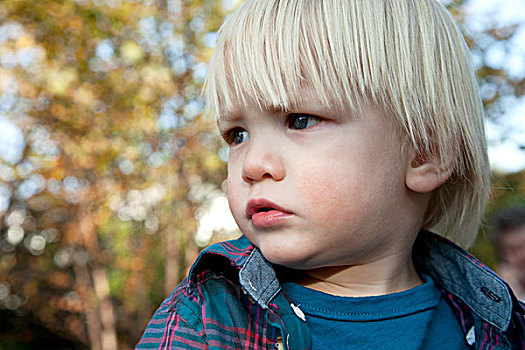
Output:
x,y
407,56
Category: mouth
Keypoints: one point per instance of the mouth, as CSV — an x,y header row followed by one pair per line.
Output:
x,y
256,206
266,215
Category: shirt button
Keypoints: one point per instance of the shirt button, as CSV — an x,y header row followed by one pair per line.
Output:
x,y
298,312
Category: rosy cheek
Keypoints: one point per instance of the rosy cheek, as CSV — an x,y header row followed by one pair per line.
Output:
x,y
326,194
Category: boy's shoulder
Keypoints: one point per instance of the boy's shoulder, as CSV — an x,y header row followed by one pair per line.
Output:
x,y
476,294
460,273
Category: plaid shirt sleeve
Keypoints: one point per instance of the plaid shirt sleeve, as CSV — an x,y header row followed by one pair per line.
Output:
x,y
213,314
210,310
174,324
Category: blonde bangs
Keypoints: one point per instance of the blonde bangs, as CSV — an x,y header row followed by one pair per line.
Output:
x,y
269,50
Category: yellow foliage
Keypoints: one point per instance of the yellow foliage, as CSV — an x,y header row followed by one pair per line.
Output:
x,y
84,95
212,162
25,41
59,81
131,52
158,77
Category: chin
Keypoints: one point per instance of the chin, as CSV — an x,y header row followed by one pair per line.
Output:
x,y
285,247
291,257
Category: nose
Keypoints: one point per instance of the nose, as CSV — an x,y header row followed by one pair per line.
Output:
x,y
262,161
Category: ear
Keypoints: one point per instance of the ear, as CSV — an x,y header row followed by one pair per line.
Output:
x,y
425,174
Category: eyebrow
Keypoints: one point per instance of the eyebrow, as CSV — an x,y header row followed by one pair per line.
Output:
x,y
235,115
227,117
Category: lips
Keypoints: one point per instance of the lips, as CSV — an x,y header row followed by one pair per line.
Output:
x,y
264,213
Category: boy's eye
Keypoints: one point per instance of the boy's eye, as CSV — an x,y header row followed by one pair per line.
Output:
x,y
237,136
302,121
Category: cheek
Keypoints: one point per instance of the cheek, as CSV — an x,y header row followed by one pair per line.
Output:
x,y
331,192
343,190
233,190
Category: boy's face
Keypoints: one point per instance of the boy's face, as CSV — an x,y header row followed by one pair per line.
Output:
x,y
318,187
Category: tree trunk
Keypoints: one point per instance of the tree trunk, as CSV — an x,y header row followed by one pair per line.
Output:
x,y
100,314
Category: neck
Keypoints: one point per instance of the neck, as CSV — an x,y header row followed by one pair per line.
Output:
x,y
384,276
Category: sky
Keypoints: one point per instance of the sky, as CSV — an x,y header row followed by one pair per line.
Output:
x,y
11,140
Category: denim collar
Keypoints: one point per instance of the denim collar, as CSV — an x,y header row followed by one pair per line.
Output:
x,y
461,274
450,266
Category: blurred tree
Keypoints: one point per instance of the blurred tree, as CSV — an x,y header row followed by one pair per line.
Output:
x,y
96,208
109,160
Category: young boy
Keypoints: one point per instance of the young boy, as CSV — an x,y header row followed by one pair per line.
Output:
x,y
355,128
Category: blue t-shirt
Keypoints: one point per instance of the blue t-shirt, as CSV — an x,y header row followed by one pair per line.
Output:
x,y
417,318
